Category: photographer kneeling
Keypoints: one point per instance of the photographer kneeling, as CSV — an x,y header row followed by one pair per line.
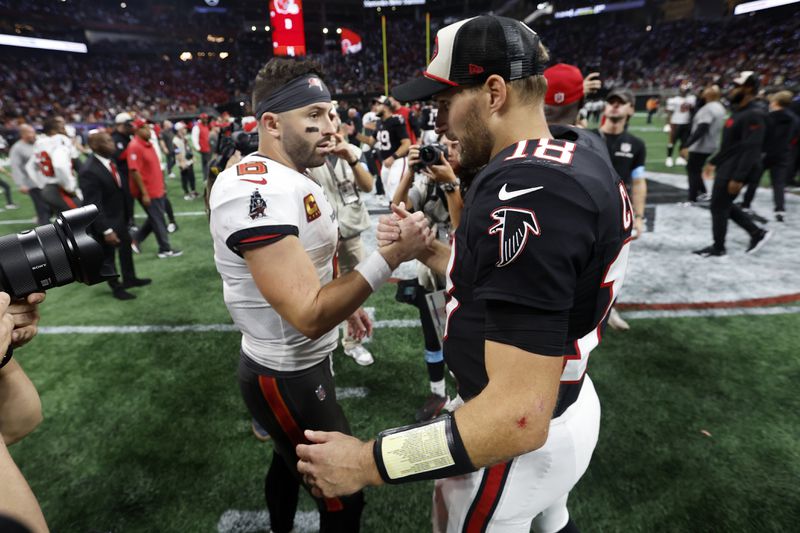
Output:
x,y
430,184
20,411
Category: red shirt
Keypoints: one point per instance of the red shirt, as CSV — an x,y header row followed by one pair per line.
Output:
x,y
205,146
142,157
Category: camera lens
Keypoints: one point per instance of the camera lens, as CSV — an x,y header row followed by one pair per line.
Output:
x,y
53,255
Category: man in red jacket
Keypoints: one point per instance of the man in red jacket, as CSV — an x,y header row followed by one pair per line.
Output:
x,y
147,184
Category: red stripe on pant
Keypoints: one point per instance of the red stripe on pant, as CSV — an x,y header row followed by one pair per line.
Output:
x,y
485,501
269,388
67,198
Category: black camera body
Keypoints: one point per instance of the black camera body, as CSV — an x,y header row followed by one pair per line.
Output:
x,y
233,138
430,155
53,255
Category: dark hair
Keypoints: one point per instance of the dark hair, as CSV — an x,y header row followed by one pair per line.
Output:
x,y
277,72
50,125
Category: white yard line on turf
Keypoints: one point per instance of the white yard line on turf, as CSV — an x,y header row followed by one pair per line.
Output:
x,y
395,324
234,521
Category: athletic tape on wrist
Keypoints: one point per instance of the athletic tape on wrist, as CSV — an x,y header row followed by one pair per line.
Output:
x,y
428,450
375,270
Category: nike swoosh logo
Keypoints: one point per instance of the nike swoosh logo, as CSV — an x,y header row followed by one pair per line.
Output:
x,y
262,181
508,195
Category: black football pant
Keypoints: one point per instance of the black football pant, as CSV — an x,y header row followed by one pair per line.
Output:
x,y
58,199
694,169
125,256
187,179
723,208
285,404
778,174
43,211
7,191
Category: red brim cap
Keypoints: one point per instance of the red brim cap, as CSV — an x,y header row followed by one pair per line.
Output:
x,y
138,123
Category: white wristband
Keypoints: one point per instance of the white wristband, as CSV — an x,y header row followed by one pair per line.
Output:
x,y
375,270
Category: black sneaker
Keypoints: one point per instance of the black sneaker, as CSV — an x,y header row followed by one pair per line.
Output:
x,y
431,408
780,216
758,240
136,282
121,294
710,251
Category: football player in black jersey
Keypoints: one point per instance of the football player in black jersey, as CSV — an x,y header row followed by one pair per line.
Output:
x,y
391,141
536,263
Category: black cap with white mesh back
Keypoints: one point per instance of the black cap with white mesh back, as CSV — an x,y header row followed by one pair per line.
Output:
x,y
470,51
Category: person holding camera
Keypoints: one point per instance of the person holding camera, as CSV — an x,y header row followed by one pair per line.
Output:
x,y
184,156
20,413
342,176
430,185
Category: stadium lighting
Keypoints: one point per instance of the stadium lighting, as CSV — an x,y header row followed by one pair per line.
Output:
x,y
339,31
223,55
42,44
648,28
185,56
752,7
253,28
325,31
266,28
123,5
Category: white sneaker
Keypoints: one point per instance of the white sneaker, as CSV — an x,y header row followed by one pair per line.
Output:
x,y
680,161
360,354
669,162
616,322
12,206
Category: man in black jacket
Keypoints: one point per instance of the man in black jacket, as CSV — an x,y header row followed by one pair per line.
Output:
x,y
103,185
783,127
738,160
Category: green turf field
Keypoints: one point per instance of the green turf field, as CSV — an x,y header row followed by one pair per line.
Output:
x,y
146,432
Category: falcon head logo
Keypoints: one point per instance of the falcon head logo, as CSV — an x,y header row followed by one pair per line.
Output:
x,y
513,225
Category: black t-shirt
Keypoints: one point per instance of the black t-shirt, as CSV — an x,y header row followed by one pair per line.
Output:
x,y
389,134
739,155
627,152
538,257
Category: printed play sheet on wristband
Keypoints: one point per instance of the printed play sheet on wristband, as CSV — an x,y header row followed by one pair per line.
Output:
x,y
416,450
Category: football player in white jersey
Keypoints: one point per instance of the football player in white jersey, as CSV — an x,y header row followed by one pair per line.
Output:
x,y
51,166
275,238
680,108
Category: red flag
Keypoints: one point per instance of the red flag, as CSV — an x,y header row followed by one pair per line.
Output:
x,y
351,42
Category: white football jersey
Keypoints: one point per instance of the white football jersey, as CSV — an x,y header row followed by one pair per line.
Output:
x,y
259,200
51,163
681,108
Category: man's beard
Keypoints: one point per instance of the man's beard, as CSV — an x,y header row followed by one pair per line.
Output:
x,y
301,151
476,143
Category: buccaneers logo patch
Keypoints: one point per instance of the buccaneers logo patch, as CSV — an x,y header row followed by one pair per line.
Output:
x,y
312,209
513,226
258,207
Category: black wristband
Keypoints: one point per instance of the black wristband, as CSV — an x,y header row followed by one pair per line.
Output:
x,y
7,357
431,461
395,156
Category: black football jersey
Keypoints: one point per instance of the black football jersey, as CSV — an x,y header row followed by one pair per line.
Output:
x,y
389,135
545,225
428,119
